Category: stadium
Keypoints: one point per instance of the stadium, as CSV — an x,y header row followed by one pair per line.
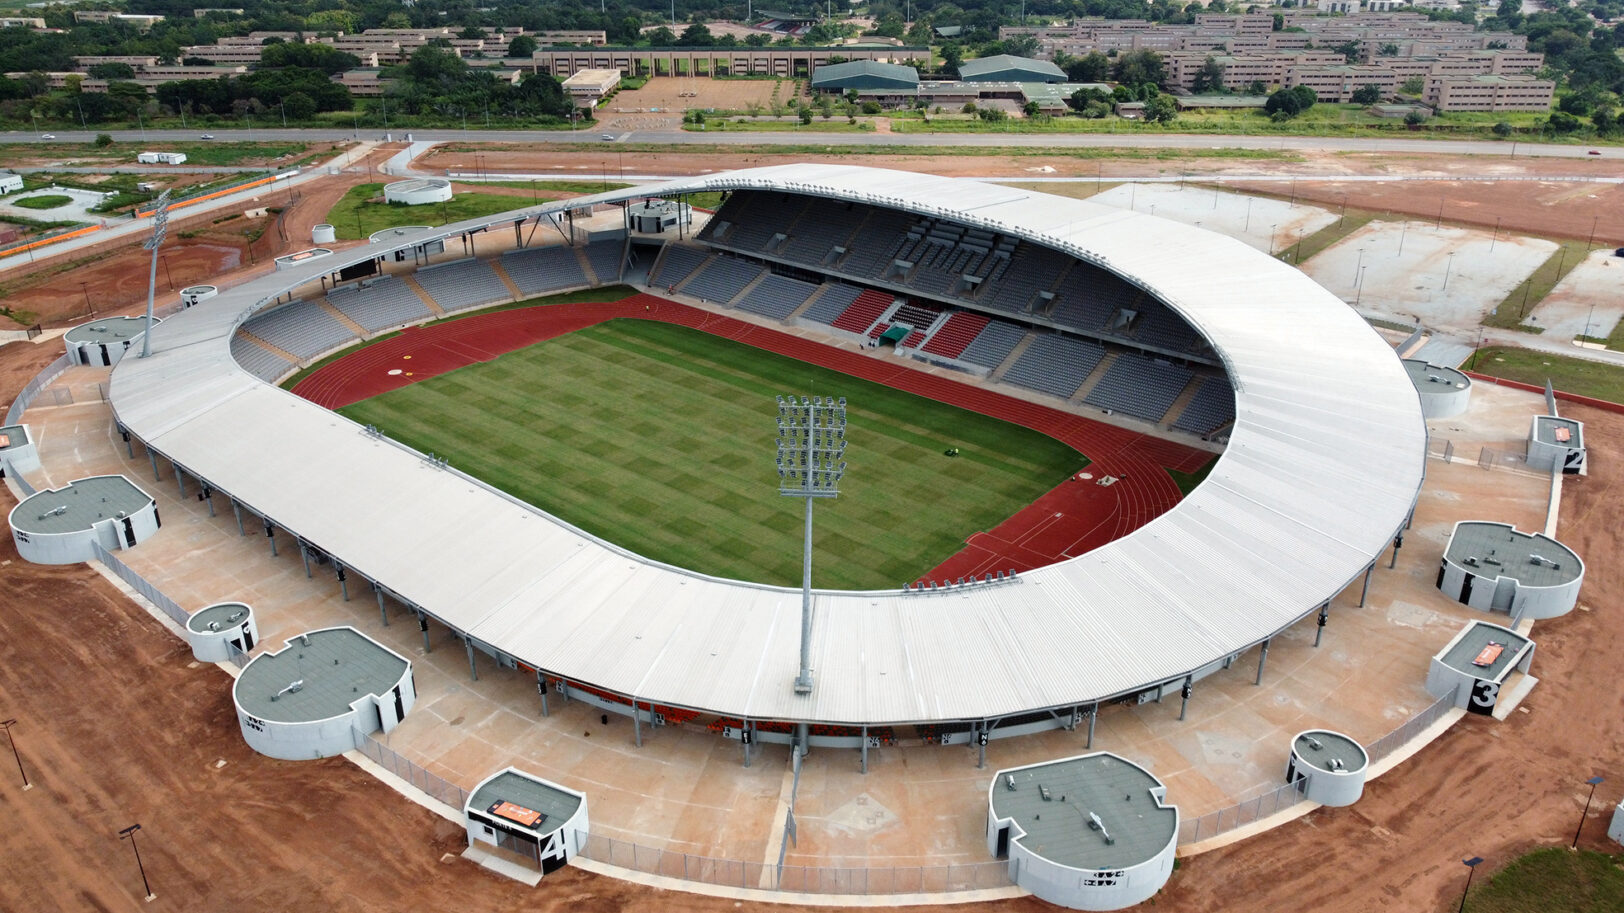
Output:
x,y
1323,464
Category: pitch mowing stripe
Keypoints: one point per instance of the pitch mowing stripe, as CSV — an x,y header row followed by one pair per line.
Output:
x,y
660,438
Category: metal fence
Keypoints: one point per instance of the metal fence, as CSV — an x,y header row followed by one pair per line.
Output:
x,y
933,879
438,788
30,390
1440,448
140,584
1286,795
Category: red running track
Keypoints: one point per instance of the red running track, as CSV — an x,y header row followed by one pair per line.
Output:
x,y
1075,516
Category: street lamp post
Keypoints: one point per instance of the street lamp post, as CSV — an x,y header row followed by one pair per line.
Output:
x,y
130,833
160,228
1359,290
1358,264
1471,866
6,725
1593,781
811,443
1447,267
84,289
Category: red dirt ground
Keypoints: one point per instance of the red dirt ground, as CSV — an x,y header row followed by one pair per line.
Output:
x,y
1074,517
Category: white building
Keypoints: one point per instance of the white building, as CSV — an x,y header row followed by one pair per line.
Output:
x,y
1089,832
588,87
1331,766
540,821
214,630
1444,391
1554,441
62,526
104,341
161,158
304,701
418,191
1474,666
10,183
1494,568
17,450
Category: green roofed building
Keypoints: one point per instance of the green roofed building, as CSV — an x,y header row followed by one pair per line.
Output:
x,y
869,77
1007,68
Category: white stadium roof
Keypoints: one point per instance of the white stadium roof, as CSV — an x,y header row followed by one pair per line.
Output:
x,y
1324,464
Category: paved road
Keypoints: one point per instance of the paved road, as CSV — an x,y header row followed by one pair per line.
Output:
x,y
900,140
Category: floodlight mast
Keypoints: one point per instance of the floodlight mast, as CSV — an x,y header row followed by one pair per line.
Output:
x,y
160,228
811,443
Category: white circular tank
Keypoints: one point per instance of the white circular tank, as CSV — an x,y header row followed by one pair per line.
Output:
x,y
193,295
1332,766
418,191
323,234
213,630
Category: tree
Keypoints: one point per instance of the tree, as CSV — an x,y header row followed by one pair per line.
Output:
x,y
103,140
661,37
696,36
337,21
1031,109
1140,68
952,57
1161,110
1415,119
522,46
1210,78
298,105
1285,104
1091,67
110,71
323,57
871,107
1256,87
1388,50
1502,129
1366,95
806,115
1412,86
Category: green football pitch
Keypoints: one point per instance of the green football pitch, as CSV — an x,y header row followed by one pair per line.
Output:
x,y
660,438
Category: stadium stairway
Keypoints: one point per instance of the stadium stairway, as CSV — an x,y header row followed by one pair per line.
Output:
x,y
1093,377
748,288
807,304
339,316
586,265
424,296
1014,356
1182,400
502,274
274,350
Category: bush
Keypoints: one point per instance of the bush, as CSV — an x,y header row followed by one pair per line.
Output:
x,y
103,140
1366,95
1415,118
871,107
1502,129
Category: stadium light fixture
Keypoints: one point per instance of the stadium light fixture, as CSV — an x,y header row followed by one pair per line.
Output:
x,y
1594,782
1471,866
811,444
160,228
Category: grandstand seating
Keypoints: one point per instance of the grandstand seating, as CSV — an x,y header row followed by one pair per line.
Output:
x,y
871,246
678,264
1212,407
837,296
1139,386
822,226
777,297
956,334
1165,329
863,311
537,270
465,284
1055,364
384,303
301,329
1031,269
605,257
258,360
722,279
993,344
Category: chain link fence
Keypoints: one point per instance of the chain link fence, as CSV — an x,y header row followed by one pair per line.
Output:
x,y
31,390
437,787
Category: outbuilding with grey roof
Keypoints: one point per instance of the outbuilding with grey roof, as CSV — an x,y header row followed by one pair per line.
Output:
x,y
1474,666
538,820
1494,568
303,701
63,525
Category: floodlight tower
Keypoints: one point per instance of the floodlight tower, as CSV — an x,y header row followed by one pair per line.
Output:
x,y
160,228
811,442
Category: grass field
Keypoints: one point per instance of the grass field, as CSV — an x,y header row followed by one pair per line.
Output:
x,y
1570,375
1553,880
660,438
356,216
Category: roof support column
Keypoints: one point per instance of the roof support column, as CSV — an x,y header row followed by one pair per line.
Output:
x,y
803,738
1364,593
270,533
208,495
473,671
382,610
153,456
1398,543
1319,629
744,739
1093,715
180,479
236,509
304,555
865,749
343,581
541,689
1184,692
981,746
1262,657
637,723
129,448
423,625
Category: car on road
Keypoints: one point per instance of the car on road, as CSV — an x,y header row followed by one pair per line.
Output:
x,y
1594,152
607,137
207,136
47,136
